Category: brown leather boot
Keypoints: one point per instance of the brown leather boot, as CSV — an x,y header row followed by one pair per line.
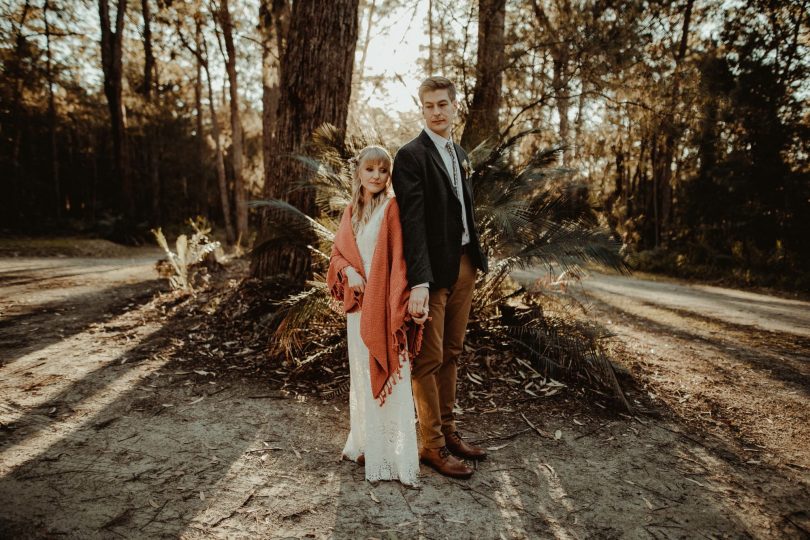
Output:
x,y
443,462
463,449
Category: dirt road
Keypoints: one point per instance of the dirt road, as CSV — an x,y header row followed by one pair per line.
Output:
x,y
737,362
103,434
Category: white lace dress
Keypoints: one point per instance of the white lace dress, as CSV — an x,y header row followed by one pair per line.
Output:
x,y
385,434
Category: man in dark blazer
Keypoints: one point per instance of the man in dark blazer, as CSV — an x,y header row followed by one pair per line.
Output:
x,y
442,253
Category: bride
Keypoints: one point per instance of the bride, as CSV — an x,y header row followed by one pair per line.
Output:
x,y
367,275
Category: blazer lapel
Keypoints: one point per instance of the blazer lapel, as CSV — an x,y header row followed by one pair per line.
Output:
x,y
437,159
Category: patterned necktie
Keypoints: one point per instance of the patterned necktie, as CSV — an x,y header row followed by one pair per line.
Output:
x,y
452,152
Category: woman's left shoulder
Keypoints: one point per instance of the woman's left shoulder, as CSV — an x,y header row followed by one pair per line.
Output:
x,y
392,208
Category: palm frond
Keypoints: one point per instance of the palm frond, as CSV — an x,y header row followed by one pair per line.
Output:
x,y
287,224
297,313
555,349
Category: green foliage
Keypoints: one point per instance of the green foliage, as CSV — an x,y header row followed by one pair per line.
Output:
x,y
516,206
190,253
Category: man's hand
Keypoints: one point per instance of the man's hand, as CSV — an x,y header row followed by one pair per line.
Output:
x,y
418,304
422,319
356,281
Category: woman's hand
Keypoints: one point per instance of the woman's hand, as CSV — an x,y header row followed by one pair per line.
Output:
x,y
356,281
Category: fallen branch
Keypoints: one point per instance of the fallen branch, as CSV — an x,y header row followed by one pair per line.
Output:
x,y
535,428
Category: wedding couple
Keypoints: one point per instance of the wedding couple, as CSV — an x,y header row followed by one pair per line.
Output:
x,y
404,269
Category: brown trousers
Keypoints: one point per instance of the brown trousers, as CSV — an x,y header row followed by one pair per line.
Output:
x,y
434,370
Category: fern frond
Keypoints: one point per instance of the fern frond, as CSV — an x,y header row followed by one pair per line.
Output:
x,y
554,351
287,223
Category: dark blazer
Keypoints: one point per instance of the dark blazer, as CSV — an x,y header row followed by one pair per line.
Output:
x,y
430,214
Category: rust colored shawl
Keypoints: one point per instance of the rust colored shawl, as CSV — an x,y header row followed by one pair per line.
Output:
x,y
386,327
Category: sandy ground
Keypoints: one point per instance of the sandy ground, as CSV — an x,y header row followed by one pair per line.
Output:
x,y
104,435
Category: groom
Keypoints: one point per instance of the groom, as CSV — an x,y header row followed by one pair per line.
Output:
x,y
442,253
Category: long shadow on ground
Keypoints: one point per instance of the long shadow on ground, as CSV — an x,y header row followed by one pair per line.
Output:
x,y
43,325
183,452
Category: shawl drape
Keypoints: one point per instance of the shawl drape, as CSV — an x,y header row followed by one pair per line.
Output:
x,y
386,327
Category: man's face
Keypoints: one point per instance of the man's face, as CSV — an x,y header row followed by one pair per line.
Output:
x,y
438,111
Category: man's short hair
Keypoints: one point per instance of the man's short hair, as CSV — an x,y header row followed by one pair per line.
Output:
x,y
437,83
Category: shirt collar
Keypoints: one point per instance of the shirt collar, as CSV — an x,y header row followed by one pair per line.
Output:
x,y
437,139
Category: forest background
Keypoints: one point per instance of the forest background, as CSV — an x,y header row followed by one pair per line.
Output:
x,y
684,124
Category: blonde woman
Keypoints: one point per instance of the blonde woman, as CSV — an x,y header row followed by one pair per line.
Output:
x,y
367,276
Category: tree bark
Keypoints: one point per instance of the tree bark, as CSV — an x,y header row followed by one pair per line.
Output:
x,y
316,75
274,18
240,190
482,122
149,57
111,52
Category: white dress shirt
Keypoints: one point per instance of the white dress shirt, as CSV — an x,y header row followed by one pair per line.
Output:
x,y
449,163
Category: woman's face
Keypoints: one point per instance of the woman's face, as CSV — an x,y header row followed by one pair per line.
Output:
x,y
374,176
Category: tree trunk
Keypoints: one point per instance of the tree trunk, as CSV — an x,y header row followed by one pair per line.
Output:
x,y
430,64
230,237
149,57
558,48
201,191
274,18
240,191
359,72
316,75
152,130
52,115
663,180
559,82
482,122
361,67
580,119
111,52
15,71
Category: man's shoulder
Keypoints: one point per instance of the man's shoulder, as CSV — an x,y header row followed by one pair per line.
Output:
x,y
414,146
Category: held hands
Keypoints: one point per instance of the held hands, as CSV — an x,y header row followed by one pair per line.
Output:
x,y
356,281
418,304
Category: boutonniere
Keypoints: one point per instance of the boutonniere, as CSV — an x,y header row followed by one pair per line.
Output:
x,y
467,168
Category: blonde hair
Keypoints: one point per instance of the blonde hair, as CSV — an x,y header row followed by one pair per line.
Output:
x,y
362,211
438,83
